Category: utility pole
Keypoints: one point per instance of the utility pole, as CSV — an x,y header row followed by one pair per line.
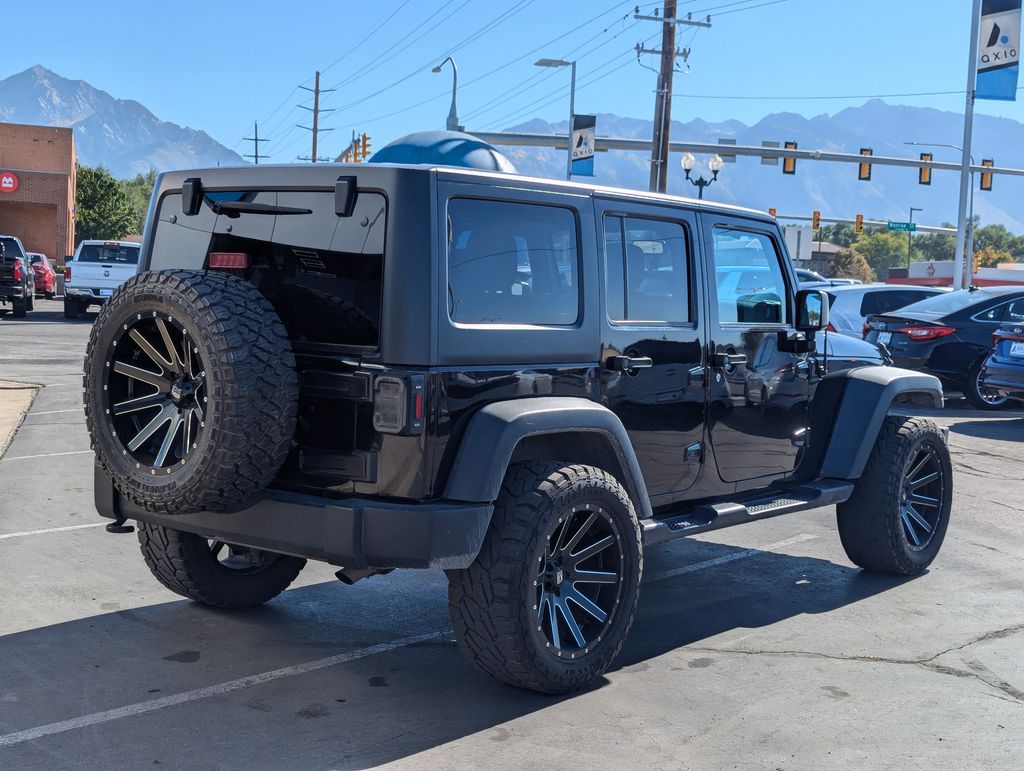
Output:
x,y
316,109
663,94
965,153
255,139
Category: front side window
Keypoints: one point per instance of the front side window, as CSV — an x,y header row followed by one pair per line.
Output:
x,y
749,284
646,270
512,263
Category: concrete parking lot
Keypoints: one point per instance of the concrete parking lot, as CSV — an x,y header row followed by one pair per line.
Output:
x,y
754,647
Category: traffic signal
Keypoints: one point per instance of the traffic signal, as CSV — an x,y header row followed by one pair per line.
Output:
x,y
816,220
974,263
771,211
347,156
863,168
986,176
364,150
789,162
858,224
924,174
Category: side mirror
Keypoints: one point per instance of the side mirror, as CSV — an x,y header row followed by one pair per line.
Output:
x,y
811,310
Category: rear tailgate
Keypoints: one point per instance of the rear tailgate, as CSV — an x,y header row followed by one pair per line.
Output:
x,y
9,254
103,267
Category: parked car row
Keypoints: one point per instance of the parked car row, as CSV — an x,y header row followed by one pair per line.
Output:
x,y
92,274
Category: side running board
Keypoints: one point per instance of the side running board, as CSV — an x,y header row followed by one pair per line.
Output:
x,y
713,516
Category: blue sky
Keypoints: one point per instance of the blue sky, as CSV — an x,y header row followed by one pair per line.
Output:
x,y
218,66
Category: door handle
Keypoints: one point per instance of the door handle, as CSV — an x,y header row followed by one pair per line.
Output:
x,y
628,363
729,359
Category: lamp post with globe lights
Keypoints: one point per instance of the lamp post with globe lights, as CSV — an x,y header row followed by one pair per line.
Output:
x,y
714,165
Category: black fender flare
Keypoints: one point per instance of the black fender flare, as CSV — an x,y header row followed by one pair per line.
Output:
x,y
491,439
849,407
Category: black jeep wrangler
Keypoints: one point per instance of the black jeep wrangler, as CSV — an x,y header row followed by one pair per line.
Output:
x,y
522,382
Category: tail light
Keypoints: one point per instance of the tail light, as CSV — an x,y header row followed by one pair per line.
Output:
x,y
864,330
230,260
1007,334
17,271
831,327
921,334
67,273
398,404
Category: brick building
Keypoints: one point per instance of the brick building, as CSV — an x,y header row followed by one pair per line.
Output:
x,y
37,187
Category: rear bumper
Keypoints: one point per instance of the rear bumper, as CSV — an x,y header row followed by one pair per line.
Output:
x,y
1006,379
85,292
351,532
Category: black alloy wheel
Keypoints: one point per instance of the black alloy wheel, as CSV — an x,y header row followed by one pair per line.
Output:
x,y
579,581
155,392
921,497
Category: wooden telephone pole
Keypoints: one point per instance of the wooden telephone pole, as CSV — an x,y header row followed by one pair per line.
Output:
x,y
316,109
663,94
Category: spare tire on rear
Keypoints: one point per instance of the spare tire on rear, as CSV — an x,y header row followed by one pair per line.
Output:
x,y
190,391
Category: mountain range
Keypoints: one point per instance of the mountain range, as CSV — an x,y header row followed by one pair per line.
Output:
x,y
120,134
127,138
832,188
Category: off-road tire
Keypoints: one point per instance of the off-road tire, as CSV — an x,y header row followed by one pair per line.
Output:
x,y
870,524
490,602
71,308
972,390
185,564
19,308
252,391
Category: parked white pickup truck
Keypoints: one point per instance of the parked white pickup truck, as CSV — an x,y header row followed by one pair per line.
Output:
x,y
97,269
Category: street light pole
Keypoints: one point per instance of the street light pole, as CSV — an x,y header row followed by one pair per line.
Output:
x,y
910,236
452,124
965,164
572,105
715,166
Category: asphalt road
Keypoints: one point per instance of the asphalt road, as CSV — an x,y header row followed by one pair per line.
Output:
x,y
755,647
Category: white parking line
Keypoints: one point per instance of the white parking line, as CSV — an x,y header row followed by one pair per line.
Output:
x,y
50,530
141,708
47,455
740,555
54,412
153,705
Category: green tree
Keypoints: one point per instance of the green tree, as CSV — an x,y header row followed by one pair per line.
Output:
x,y
849,263
995,236
102,208
881,251
990,257
934,246
839,234
139,189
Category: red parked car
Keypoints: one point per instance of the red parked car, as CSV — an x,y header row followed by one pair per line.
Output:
x,y
46,277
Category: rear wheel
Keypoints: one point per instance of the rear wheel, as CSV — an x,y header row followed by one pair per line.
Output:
x,y
977,394
19,308
552,595
213,572
896,519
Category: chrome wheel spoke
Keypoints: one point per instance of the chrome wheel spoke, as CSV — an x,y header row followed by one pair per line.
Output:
x,y
172,350
923,500
919,465
586,604
165,445
927,479
918,519
908,525
147,348
591,551
594,577
144,375
587,523
556,637
570,621
139,403
167,412
544,599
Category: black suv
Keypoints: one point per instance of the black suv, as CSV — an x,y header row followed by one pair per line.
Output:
x,y
519,381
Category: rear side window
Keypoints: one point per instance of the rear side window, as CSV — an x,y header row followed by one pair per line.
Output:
x,y
110,254
647,270
512,263
1014,312
883,302
11,250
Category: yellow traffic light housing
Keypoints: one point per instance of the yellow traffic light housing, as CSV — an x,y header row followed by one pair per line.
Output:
x,y
816,220
771,211
986,176
789,162
924,173
864,169
858,224
364,150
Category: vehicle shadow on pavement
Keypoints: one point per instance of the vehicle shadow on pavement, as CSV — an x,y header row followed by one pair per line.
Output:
x,y
386,706
1008,428
39,316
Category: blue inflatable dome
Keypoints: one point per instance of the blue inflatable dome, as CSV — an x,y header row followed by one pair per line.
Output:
x,y
444,148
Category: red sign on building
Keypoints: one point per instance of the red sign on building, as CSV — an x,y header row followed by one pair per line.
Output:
x,y
8,181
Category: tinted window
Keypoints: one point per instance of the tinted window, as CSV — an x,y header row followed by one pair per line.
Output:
x,y
115,254
951,302
748,278
1014,312
647,270
512,263
11,248
883,302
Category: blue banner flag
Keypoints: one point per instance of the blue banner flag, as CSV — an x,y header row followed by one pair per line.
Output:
x,y
998,50
582,145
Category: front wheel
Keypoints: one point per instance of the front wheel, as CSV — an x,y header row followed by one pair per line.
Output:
x,y
896,519
552,595
213,572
